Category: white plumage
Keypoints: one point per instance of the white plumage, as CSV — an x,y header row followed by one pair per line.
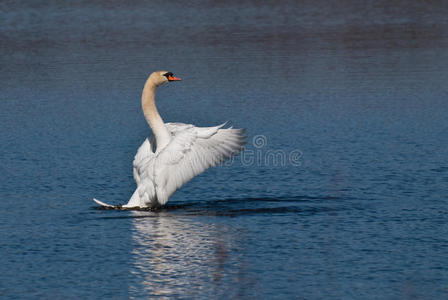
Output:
x,y
190,152
176,152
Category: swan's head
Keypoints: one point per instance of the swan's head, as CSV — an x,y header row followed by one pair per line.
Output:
x,y
162,77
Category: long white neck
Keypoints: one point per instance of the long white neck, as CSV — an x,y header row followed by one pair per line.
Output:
x,y
152,116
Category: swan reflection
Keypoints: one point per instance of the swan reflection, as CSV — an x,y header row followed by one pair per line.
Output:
x,y
176,255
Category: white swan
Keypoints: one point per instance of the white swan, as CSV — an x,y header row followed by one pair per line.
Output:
x,y
176,152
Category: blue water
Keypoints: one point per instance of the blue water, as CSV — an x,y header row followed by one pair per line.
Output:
x,y
340,194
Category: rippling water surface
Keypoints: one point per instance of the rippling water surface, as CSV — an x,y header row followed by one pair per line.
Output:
x,y
340,194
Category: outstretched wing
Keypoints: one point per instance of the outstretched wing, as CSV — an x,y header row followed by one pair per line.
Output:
x,y
191,151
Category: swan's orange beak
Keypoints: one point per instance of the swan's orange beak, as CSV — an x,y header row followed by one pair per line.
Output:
x,y
172,78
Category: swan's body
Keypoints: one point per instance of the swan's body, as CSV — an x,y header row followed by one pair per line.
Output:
x,y
176,152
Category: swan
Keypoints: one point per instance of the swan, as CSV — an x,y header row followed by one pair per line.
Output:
x,y
175,153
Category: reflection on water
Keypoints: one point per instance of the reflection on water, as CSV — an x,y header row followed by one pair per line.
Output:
x,y
175,256
204,248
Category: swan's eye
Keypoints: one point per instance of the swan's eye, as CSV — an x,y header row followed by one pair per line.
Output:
x,y
170,76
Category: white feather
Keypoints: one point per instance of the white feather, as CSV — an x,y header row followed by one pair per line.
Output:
x,y
190,152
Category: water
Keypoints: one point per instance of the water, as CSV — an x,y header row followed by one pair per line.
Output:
x,y
342,190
